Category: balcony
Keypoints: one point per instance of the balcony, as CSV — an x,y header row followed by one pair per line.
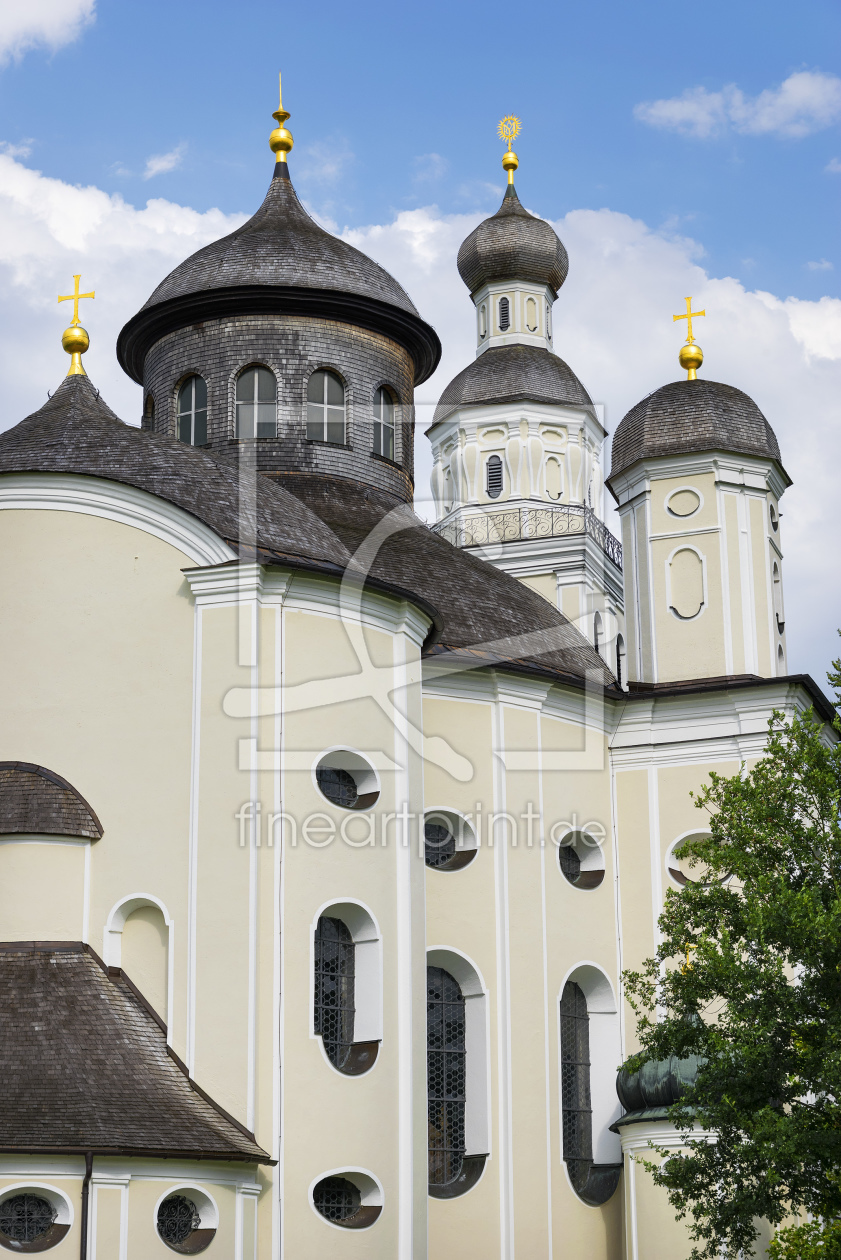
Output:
x,y
523,524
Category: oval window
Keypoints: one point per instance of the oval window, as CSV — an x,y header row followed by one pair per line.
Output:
x,y
347,780
686,582
351,1200
685,871
683,502
186,1222
29,1221
581,859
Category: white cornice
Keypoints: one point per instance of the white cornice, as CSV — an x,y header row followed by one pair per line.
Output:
x,y
747,471
644,1134
113,501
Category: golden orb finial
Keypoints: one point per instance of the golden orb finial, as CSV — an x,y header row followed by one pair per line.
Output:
x,y
280,141
508,130
691,356
74,339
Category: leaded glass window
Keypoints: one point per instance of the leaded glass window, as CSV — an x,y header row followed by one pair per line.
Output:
x,y
178,1218
336,1198
339,786
325,408
439,844
24,1218
256,403
494,477
192,411
570,863
446,1058
575,1084
384,424
334,988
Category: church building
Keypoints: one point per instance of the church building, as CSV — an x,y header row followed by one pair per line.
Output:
x,y
327,834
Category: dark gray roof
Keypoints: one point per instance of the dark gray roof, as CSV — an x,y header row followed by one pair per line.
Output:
x,y
513,244
85,1067
282,262
658,1085
689,416
311,522
36,801
512,374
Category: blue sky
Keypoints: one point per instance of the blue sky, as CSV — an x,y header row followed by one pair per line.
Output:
x,y
373,88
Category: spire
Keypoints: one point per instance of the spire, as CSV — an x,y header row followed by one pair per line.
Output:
x,y
75,339
691,356
508,130
280,141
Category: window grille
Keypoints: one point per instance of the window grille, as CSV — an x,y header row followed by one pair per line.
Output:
x,y
439,844
384,424
446,1058
26,1217
339,786
192,411
334,988
494,477
504,314
337,1198
256,403
570,863
325,408
178,1217
575,1084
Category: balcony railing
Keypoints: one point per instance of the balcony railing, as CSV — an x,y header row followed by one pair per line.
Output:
x,y
530,523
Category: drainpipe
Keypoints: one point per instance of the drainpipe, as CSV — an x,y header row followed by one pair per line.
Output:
x,y
83,1245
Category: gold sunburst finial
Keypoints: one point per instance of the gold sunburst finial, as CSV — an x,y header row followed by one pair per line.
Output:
x,y
691,356
75,339
280,141
508,130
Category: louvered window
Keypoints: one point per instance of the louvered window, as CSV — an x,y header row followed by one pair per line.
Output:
x,y
446,1056
334,988
192,411
494,475
504,314
575,1084
256,403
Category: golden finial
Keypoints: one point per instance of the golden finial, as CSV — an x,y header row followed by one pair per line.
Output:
x,y
74,339
280,141
508,130
691,356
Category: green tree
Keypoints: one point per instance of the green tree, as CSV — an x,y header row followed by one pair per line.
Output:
x,y
748,977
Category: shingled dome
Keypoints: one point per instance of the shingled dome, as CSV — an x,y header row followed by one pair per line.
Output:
x,y
513,244
36,801
686,417
280,262
510,374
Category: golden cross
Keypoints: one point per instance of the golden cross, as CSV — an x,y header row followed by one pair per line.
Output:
x,y
75,297
689,316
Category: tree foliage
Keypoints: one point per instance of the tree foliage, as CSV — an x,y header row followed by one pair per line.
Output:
x,y
748,977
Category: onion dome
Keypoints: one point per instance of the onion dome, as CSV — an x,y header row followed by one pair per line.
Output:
x,y
687,417
513,244
512,374
659,1085
280,262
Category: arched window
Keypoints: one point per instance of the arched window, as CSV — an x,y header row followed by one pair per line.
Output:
x,y
483,322
597,633
325,408
775,521
781,661
256,403
778,598
494,477
334,989
575,1084
446,1054
384,424
531,314
620,660
149,412
548,321
192,411
504,314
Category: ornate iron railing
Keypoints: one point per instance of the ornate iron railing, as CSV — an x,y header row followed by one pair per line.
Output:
x,y
523,523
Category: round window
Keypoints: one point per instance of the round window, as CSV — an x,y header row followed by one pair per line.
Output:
x,y
682,870
347,780
351,1201
183,1226
449,842
581,859
29,1222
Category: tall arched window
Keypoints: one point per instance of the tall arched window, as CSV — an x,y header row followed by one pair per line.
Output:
x,y
384,423
446,1055
256,403
494,477
597,633
334,989
325,408
778,598
149,412
504,314
620,660
575,1084
192,411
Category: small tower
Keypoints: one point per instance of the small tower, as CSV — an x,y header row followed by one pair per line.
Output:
x,y
516,440
697,475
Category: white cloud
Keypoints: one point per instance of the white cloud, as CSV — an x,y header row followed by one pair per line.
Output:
x,y
806,102
833,166
429,168
324,162
161,163
613,325
822,265
41,23
21,150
